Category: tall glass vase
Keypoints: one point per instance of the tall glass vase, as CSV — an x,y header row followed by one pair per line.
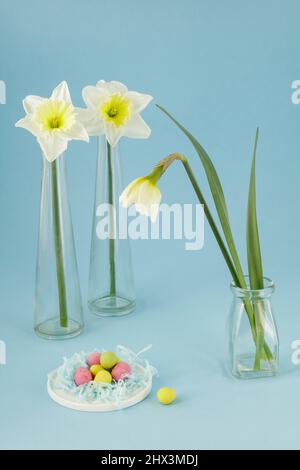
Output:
x,y
111,287
58,306
254,343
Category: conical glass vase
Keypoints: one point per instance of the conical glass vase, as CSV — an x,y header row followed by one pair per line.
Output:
x,y
111,286
58,307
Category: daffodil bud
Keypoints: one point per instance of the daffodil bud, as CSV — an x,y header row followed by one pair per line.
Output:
x,y
144,193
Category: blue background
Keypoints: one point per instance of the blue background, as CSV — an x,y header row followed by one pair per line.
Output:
x,y
221,67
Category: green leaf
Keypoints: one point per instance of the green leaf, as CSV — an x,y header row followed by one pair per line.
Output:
x,y
253,245
218,196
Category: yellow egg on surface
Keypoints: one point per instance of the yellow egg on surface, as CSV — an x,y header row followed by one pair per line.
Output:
x,y
103,377
95,369
166,395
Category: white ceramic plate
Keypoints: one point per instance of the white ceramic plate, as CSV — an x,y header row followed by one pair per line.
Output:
x,y
69,400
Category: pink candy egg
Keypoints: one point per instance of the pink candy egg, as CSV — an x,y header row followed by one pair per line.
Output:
x,y
82,376
120,371
93,358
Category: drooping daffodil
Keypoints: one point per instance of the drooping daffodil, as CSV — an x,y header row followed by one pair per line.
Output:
x,y
114,111
144,194
53,121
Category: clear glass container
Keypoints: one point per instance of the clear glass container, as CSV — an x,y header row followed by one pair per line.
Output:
x,y
58,307
254,343
111,285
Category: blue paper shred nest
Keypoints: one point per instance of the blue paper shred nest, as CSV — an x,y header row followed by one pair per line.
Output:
x,y
140,377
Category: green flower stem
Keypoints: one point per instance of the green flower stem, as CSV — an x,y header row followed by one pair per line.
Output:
x,y
262,351
63,311
112,264
258,308
210,220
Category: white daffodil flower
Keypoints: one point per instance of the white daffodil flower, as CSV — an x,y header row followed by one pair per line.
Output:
x,y
114,111
144,194
53,121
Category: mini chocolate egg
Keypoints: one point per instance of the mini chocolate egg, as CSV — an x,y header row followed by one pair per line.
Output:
x,y
93,358
103,377
120,371
82,376
95,369
166,395
108,360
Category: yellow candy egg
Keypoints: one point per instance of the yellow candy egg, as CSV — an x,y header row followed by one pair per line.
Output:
x,y
103,377
95,369
108,360
166,395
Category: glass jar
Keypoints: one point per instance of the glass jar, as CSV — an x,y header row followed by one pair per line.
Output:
x,y
254,344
